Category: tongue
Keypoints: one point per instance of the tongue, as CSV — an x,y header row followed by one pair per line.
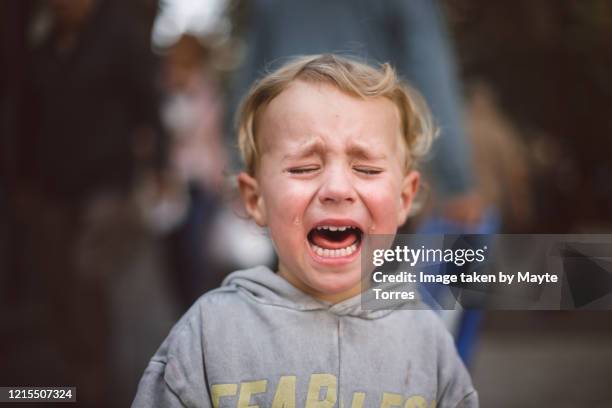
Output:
x,y
343,240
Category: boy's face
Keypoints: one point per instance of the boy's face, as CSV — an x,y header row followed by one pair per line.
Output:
x,y
331,169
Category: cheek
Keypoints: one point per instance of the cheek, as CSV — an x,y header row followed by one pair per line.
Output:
x,y
286,203
284,199
383,203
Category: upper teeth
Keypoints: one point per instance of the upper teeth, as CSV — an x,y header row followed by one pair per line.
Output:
x,y
335,228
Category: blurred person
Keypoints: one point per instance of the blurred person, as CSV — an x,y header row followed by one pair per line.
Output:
x,y
92,133
501,159
502,179
193,112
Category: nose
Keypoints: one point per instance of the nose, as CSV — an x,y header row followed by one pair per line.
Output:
x,y
337,186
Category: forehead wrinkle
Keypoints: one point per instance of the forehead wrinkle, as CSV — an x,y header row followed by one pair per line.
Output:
x,y
306,148
362,150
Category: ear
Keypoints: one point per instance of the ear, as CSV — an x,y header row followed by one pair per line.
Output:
x,y
252,199
410,185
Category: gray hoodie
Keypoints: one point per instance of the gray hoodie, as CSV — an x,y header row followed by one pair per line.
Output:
x,y
259,342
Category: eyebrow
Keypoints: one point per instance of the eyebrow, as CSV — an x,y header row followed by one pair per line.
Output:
x,y
317,147
309,148
363,151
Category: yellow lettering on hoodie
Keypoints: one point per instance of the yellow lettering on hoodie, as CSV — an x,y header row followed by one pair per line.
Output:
x,y
247,389
285,392
317,382
222,390
416,401
358,398
390,400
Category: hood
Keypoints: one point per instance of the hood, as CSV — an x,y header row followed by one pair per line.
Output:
x,y
264,286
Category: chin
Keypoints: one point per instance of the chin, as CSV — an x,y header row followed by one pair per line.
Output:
x,y
333,283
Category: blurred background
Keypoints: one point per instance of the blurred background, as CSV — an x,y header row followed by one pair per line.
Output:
x,y
118,209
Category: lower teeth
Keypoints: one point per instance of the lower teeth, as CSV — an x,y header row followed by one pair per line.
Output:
x,y
334,253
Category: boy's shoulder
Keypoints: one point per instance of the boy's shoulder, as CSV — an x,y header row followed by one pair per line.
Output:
x,y
231,291
218,302
238,289
239,292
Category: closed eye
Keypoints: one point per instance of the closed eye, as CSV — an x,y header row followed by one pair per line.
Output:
x,y
302,170
368,170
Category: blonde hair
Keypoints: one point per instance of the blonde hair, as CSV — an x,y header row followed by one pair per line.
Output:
x,y
348,75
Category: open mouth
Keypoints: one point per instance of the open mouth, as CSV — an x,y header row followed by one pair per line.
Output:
x,y
332,241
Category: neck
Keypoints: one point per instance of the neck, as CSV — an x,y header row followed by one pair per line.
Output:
x,y
332,298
